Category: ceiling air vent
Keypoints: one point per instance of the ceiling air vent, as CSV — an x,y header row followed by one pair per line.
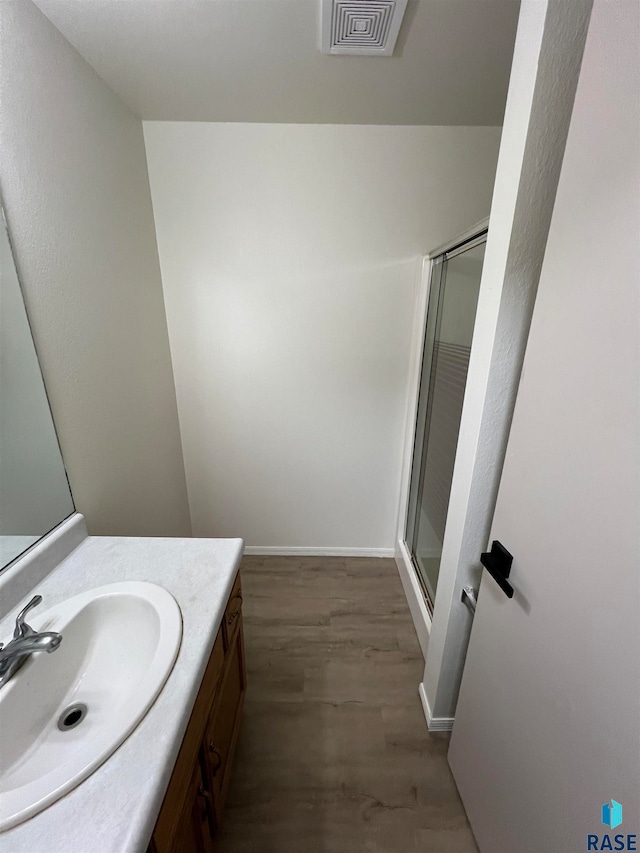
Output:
x,y
361,27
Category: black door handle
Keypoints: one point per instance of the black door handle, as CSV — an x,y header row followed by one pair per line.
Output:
x,y
498,563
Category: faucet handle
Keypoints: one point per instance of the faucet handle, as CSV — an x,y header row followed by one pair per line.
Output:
x,y
22,629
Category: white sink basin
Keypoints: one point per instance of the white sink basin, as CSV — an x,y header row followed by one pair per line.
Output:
x,y
119,645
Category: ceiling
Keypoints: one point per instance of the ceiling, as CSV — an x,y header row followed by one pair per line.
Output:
x,y
259,61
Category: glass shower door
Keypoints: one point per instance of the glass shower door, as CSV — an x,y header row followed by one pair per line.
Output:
x,y
451,313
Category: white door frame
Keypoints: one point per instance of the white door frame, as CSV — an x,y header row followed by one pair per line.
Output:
x,y
548,48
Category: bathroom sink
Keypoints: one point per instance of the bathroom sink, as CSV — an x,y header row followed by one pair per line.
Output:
x,y
63,714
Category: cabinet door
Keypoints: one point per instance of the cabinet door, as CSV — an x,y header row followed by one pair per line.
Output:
x,y
232,613
224,724
193,834
179,794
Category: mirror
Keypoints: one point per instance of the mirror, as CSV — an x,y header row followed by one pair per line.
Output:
x,y
34,490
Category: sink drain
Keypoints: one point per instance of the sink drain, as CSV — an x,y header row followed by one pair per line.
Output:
x,y
72,716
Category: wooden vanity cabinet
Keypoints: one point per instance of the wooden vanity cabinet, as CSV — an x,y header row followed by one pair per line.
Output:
x,y
191,812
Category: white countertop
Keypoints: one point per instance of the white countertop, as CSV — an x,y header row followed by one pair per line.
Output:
x,y
115,809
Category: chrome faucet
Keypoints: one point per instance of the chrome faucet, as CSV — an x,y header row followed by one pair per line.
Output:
x,y
25,641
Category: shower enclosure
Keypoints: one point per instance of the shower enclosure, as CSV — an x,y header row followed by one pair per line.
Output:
x,y
453,298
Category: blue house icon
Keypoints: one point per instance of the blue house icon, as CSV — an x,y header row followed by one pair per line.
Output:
x,y
612,814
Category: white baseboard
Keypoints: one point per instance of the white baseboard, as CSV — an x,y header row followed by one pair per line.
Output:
x,y
415,598
276,551
434,724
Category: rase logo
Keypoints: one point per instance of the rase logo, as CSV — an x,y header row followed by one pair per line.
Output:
x,y
612,817
612,814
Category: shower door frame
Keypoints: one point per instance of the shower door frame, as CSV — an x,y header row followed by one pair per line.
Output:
x,y
421,609
437,278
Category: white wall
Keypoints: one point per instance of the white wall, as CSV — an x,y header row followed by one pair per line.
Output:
x,y
290,259
76,194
